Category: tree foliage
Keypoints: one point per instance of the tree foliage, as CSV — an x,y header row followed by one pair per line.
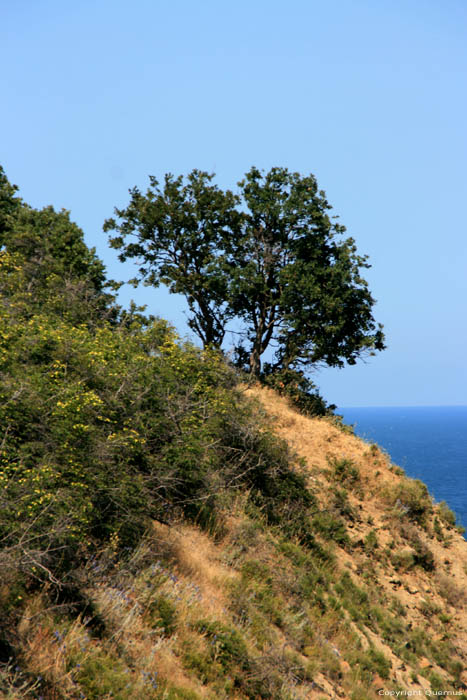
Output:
x,y
177,234
51,267
270,256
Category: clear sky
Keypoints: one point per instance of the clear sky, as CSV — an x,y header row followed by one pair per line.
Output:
x,y
370,96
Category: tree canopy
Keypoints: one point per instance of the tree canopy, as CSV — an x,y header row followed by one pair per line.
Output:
x,y
57,271
177,234
270,255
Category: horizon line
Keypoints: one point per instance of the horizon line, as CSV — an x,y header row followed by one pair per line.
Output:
x,y
459,405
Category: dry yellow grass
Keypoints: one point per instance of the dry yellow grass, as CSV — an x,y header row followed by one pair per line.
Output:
x,y
317,440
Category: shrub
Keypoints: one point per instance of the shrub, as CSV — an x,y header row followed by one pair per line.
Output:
x,y
412,500
344,471
342,506
373,661
227,645
278,491
452,593
421,553
331,528
353,598
403,560
162,614
101,675
446,515
371,542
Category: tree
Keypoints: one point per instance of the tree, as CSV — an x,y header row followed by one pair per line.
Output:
x,y
294,283
270,256
56,267
178,235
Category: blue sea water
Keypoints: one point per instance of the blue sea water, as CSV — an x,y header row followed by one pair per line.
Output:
x,y
428,442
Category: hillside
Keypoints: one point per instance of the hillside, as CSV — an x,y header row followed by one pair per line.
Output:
x,y
248,613
170,531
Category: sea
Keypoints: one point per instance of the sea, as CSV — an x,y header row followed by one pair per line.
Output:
x,y
428,442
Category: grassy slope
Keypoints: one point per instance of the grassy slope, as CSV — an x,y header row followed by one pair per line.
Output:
x,y
247,612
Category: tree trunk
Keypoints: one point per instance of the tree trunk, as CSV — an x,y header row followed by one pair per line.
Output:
x,y
255,362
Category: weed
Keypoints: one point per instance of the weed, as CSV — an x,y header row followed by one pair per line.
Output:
x,y
398,608
162,614
421,553
397,470
344,471
411,500
446,514
371,542
452,593
257,571
437,529
342,506
246,534
354,599
15,683
227,645
445,619
403,560
330,527
429,609
174,693
361,693
436,681
102,675
371,662
374,449
448,517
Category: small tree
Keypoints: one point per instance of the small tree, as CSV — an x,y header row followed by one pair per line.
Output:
x,y
270,256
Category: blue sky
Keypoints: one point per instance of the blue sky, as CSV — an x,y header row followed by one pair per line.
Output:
x,y
369,96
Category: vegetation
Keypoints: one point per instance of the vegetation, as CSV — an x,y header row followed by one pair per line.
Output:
x,y
270,256
158,539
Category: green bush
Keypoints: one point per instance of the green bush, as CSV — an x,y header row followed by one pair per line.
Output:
x,y
101,675
403,560
371,542
412,500
344,471
421,553
373,661
342,506
277,491
353,598
446,515
162,614
331,527
228,646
